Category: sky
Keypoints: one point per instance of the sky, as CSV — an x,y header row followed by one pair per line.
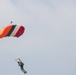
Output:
x,y
48,46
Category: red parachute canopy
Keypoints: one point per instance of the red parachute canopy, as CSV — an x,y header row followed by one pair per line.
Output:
x,y
12,30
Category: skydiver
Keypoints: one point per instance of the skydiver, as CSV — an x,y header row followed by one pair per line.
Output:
x,y
21,64
10,22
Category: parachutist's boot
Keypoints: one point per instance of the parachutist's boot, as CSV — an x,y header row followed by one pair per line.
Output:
x,y
25,72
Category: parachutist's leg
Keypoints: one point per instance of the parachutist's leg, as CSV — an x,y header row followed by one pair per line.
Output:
x,y
23,70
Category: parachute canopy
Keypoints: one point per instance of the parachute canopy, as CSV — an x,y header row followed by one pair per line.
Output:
x,y
12,30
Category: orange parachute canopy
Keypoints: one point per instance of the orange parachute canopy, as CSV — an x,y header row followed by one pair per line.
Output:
x,y
12,30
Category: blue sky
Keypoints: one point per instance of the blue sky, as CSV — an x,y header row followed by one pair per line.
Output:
x,y
48,46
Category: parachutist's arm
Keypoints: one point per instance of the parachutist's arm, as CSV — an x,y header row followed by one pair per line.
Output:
x,y
20,60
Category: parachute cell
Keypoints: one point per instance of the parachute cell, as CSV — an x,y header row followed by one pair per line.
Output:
x,y
12,30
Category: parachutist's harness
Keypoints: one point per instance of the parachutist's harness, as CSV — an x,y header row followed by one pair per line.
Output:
x,y
21,64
